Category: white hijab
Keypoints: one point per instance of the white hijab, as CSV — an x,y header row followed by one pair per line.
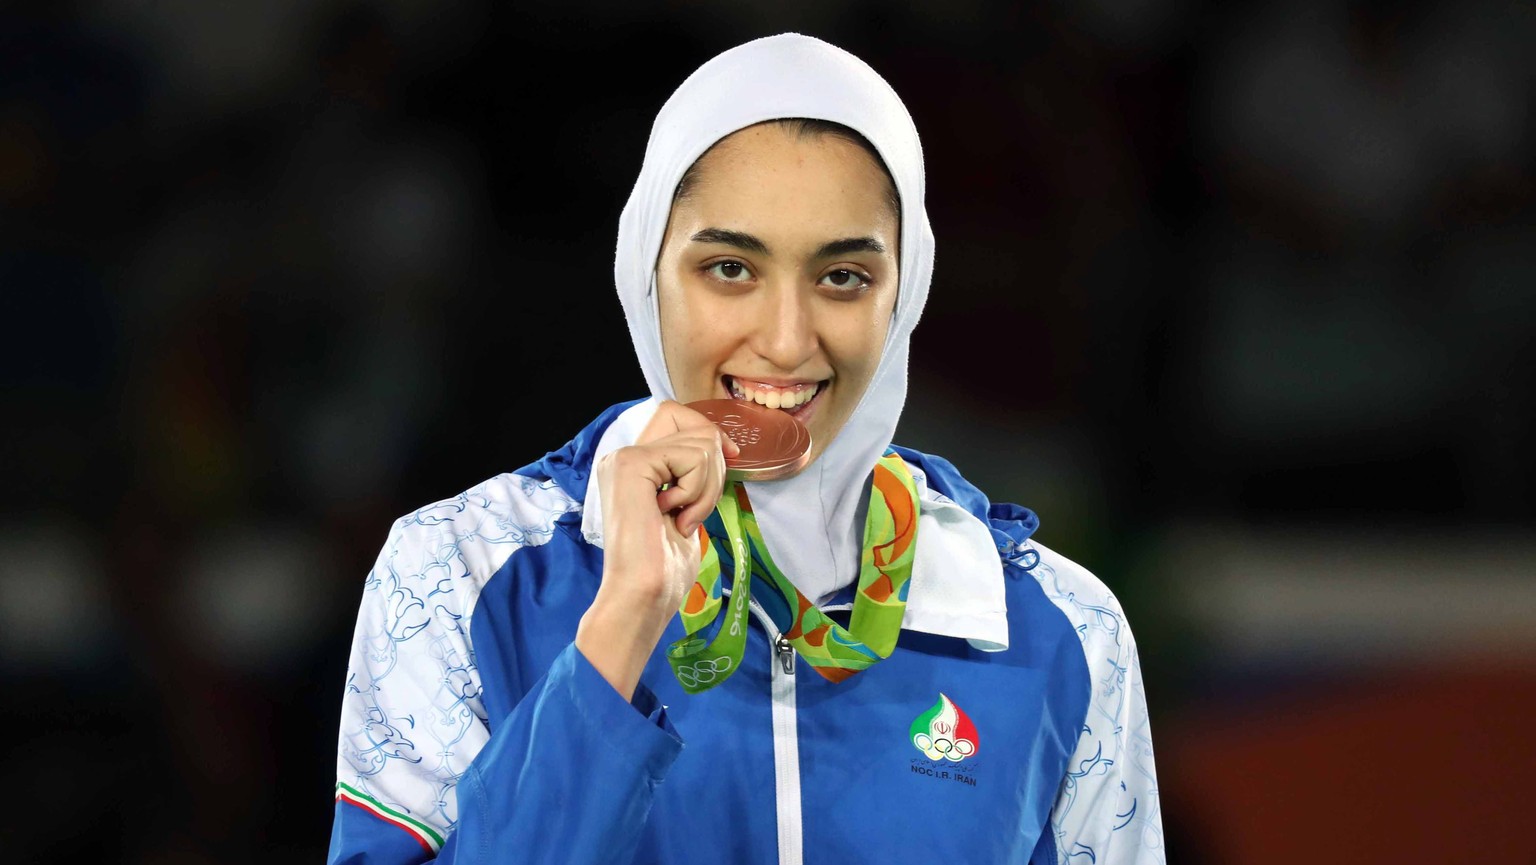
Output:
x,y
812,522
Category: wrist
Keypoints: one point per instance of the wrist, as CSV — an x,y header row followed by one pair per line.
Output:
x,y
617,637
633,601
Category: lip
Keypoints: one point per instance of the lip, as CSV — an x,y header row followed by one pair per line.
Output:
x,y
776,382
803,413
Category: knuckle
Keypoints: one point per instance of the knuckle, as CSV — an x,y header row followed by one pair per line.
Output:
x,y
624,458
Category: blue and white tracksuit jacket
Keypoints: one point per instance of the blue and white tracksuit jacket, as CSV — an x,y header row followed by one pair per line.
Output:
x,y
473,731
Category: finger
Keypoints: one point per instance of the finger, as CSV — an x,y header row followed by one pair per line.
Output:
x,y
727,445
694,466
632,475
696,490
693,515
673,417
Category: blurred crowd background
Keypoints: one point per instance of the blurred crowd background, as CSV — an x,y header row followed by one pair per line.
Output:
x,y
1240,298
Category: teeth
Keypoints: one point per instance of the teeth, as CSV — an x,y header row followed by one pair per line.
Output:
x,y
773,397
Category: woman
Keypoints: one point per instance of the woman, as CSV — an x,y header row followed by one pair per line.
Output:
x,y
512,695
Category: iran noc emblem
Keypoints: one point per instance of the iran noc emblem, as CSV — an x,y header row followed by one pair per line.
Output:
x,y
945,732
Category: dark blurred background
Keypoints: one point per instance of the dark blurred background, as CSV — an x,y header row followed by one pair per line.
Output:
x,y
1239,298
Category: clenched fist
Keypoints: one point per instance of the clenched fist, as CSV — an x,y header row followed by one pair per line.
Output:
x,y
650,537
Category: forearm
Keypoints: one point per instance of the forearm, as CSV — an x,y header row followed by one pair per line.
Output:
x,y
618,634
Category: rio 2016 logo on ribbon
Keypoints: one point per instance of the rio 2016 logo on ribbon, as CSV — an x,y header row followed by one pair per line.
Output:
x,y
945,732
704,671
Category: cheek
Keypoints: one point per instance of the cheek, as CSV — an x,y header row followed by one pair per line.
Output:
x,y
676,329
856,342
688,342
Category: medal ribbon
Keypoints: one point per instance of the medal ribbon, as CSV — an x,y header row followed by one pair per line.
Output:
x,y
885,570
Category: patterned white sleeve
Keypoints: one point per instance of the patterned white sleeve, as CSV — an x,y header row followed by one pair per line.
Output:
x,y
1107,811
412,719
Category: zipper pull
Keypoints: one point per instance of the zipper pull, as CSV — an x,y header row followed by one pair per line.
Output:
x,y
786,655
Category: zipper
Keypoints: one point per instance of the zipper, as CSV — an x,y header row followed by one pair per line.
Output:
x,y
786,654
786,742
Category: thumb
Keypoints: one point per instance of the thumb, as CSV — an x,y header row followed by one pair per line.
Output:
x,y
729,447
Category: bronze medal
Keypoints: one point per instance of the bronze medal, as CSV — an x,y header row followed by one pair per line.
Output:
x,y
773,444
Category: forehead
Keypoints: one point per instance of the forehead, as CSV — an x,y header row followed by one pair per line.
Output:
x,y
772,176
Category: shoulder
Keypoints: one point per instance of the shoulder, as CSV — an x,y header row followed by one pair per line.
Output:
x,y
414,715
1009,525
1089,607
452,547
1093,612
1074,589
448,550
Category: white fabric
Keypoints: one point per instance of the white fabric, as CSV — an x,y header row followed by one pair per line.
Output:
x,y
957,577
812,521
1113,769
412,719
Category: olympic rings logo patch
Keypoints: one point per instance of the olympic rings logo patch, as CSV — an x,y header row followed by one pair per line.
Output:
x,y
702,672
945,732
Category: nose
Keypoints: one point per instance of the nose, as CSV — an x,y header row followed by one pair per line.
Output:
x,y
785,333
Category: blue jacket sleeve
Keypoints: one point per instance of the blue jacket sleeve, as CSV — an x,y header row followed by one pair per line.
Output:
x,y
567,778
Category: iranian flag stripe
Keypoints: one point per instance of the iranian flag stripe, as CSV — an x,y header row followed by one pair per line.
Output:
x,y
425,835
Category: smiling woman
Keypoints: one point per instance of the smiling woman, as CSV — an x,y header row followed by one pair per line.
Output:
x,y
532,655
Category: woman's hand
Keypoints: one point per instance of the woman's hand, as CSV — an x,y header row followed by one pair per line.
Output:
x,y
650,537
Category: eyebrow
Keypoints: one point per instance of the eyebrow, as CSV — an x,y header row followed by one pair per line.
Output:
x,y
739,239
846,245
751,243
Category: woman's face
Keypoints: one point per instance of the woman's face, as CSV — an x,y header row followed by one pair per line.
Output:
x,y
777,276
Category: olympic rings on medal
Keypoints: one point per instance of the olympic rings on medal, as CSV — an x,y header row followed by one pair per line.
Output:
x,y
702,672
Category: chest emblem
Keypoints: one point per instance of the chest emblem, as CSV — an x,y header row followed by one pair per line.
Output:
x,y
945,732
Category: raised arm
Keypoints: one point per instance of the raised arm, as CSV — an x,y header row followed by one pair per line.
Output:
x,y
568,775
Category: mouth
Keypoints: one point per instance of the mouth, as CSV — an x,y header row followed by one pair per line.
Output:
x,y
797,399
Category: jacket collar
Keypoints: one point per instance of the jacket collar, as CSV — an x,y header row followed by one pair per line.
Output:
x,y
571,466
957,580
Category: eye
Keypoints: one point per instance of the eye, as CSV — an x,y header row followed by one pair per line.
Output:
x,y
844,281
729,271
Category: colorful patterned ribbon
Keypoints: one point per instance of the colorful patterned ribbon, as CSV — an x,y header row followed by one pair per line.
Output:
x,y
732,533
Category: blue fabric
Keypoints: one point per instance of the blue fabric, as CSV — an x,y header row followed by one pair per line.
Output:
x,y
574,774
1011,524
1045,851
568,775
571,465
572,761
359,837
